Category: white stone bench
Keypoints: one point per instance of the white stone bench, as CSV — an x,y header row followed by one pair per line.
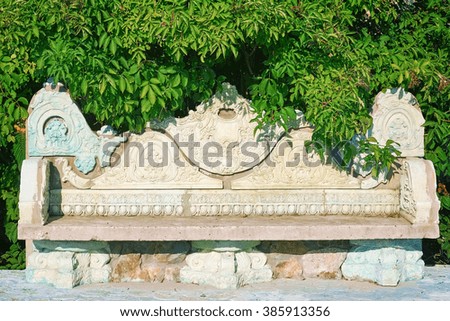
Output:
x,y
209,180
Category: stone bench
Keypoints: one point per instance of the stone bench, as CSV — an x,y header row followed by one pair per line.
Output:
x,y
207,199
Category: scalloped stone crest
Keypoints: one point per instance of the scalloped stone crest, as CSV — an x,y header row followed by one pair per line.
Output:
x,y
56,127
220,137
397,116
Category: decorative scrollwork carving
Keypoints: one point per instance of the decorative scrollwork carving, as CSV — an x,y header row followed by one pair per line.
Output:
x,y
289,166
152,160
407,201
56,127
222,127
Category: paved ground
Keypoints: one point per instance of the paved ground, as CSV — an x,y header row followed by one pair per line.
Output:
x,y
435,286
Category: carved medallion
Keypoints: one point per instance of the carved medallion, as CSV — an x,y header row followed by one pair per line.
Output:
x,y
397,116
56,127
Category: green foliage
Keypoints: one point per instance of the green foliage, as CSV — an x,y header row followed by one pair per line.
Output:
x,y
14,258
444,240
126,62
11,160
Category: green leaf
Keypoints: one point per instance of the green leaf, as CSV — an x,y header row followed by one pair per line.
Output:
x,y
102,86
110,81
176,80
35,31
122,84
144,91
113,47
84,86
146,105
23,101
133,69
151,96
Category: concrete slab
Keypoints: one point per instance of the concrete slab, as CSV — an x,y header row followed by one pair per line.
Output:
x,y
434,287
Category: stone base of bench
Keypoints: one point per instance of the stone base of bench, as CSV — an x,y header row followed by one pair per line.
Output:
x,y
68,264
385,262
223,264
226,264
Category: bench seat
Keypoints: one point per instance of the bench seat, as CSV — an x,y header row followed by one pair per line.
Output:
x,y
141,228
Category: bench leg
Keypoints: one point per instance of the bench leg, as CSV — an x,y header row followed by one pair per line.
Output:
x,y
385,262
225,264
68,264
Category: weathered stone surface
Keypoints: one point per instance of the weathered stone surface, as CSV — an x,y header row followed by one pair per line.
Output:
x,y
192,201
152,273
397,116
434,287
291,167
126,268
284,257
172,273
145,268
208,124
228,228
228,267
418,199
57,127
148,261
324,263
289,269
385,262
34,190
170,176
65,268
162,267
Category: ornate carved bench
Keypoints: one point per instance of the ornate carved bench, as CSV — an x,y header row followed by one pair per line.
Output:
x,y
92,205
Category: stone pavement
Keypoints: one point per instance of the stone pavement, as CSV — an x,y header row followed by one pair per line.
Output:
x,y
434,287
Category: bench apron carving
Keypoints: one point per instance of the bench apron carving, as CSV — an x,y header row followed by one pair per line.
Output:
x,y
205,199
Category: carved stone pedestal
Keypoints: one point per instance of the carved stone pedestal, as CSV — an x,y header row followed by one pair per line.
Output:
x,y
68,264
225,264
385,262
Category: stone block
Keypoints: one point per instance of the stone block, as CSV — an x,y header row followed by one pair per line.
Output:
x,y
68,264
126,268
385,262
99,260
149,262
101,275
229,266
82,261
172,273
324,263
152,273
289,269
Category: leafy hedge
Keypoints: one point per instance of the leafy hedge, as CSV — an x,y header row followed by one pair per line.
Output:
x,y
126,62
